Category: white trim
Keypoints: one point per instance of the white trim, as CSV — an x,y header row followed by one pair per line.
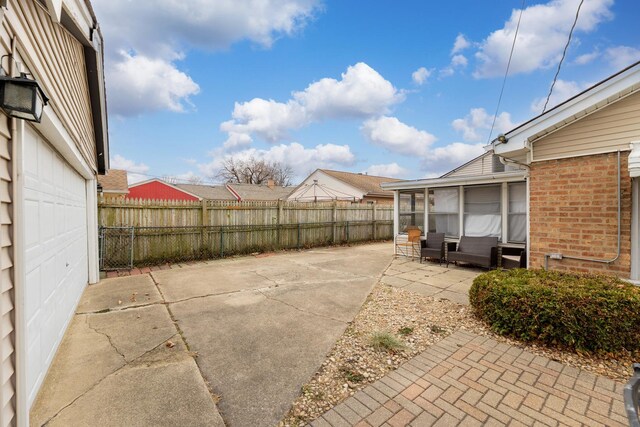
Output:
x,y
165,183
461,211
634,159
92,230
635,229
396,219
528,207
605,93
21,391
495,178
504,211
426,211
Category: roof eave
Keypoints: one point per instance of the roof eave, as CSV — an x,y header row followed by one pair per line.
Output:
x,y
612,89
512,176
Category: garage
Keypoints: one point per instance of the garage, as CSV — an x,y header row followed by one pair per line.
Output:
x,y
56,251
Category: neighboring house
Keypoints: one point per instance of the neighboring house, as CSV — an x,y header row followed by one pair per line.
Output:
x,y
157,189
259,192
326,185
113,184
578,155
483,197
48,189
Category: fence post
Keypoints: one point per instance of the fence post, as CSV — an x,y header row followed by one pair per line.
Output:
x,y
204,222
221,242
131,253
334,218
373,220
278,223
298,235
347,231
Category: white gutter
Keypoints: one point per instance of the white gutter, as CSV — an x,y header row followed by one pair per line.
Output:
x,y
511,176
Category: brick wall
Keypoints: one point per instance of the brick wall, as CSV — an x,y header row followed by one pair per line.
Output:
x,y
573,211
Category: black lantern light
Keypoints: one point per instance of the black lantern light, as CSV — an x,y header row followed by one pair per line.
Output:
x,y
22,97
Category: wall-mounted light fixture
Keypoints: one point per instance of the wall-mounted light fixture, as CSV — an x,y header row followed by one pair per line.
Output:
x,y
21,97
502,139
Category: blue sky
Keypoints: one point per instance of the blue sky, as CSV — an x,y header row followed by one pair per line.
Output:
x,y
405,89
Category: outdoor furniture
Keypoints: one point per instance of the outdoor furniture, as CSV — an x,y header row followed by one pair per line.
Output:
x,y
513,258
412,246
433,247
632,397
482,251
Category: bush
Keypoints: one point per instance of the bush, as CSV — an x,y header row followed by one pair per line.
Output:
x,y
584,312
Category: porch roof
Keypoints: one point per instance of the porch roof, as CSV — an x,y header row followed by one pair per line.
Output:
x,y
498,177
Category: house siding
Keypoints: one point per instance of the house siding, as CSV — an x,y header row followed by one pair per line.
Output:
x,y
607,130
573,211
41,45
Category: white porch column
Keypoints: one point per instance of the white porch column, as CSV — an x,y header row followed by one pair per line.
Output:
x,y
635,230
504,211
461,211
426,211
396,217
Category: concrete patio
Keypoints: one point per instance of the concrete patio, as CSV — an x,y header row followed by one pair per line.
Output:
x,y
223,342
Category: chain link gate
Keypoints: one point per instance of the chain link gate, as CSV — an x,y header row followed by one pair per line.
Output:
x,y
116,247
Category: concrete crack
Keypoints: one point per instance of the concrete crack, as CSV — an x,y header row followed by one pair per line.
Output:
x,y
298,308
107,336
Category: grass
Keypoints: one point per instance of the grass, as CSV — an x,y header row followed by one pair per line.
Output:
x,y
385,341
405,331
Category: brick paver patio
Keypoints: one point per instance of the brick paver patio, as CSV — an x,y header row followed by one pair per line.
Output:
x,y
471,380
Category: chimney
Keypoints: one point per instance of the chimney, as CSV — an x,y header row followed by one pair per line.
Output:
x,y
271,183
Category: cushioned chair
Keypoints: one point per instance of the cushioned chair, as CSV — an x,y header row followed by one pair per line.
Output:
x,y
632,397
412,245
482,251
433,247
513,258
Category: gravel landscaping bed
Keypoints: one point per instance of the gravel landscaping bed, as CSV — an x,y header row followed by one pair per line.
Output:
x,y
416,322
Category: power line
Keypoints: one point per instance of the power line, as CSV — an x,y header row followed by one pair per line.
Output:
x,y
506,73
564,53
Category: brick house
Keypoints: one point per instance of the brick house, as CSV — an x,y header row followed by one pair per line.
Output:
x,y
113,184
565,184
582,187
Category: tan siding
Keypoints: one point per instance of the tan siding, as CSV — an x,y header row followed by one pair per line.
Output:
x,y
7,378
476,167
56,58
607,130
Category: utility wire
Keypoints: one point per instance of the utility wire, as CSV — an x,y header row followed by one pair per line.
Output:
x,y
564,53
506,73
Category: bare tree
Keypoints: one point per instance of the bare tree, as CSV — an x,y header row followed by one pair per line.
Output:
x,y
254,171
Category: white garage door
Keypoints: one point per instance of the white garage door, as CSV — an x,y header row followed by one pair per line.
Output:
x,y
55,252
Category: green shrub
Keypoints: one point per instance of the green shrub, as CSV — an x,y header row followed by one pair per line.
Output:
x,y
585,312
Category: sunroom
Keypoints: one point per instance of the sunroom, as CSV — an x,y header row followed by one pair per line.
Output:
x,y
492,204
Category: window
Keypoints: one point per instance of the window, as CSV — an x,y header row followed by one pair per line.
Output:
x,y
517,212
482,215
411,210
443,211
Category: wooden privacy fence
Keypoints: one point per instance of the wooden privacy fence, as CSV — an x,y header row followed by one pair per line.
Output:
x,y
145,232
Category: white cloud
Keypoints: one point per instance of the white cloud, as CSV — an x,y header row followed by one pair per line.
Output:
x,y
361,92
543,33
301,159
475,126
443,159
586,58
460,44
171,28
136,172
622,56
397,137
562,91
420,76
391,170
151,85
459,61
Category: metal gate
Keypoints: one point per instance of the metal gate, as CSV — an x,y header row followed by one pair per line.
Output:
x,y
116,247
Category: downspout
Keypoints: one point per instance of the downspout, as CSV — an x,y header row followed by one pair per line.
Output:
x,y
603,261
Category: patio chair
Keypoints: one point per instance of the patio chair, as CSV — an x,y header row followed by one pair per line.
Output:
x,y
481,251
412,246
513,258
433,247
632,397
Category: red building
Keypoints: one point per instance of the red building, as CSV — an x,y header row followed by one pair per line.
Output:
x,y
157,189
